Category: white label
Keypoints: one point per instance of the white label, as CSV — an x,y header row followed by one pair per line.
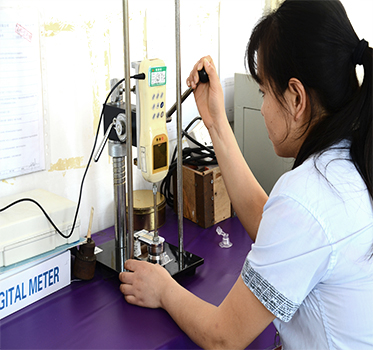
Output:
x,y
143,159
30,285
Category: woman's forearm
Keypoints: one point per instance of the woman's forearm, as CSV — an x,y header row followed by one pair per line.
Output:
x,y
246,194
193,315
234,324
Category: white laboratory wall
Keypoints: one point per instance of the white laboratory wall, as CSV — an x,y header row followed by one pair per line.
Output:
x,y
237,19
82,49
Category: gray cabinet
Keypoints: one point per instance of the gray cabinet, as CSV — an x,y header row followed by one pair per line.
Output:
x,y
252,136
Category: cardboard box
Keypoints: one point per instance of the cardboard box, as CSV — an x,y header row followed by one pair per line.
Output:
x,y
205,198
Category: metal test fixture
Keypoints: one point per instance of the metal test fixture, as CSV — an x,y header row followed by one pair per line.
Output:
x,y
144,126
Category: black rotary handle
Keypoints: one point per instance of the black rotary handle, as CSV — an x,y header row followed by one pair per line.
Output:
x,y
203,78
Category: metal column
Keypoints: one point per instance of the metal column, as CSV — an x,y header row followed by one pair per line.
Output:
x,y
179,167
117,150
130,239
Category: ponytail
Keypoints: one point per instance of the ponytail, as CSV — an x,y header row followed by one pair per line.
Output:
x,y
362,141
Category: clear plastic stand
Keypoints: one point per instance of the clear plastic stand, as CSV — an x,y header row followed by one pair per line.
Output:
x,y
225,243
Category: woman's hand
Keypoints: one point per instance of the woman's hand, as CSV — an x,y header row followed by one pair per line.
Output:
x,y
209,96
145,283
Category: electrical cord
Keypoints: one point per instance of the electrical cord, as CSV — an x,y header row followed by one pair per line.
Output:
x,y
140,76
196,157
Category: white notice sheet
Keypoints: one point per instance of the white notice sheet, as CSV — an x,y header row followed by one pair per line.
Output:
x,y
21,115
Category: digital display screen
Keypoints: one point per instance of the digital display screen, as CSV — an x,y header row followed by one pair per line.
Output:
x,y
157,76
159,155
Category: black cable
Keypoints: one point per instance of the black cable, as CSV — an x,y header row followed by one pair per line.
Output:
x,y
198,156
140,76
41,208
192,122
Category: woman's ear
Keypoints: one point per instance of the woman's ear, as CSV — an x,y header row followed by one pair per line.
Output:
x,y
296,97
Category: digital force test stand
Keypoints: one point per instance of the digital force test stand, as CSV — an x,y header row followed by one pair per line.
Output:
x,y
149,135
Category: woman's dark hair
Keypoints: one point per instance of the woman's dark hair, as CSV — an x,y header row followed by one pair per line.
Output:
x,y
314,41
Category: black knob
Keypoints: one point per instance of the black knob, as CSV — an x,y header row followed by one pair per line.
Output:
x,y
203,77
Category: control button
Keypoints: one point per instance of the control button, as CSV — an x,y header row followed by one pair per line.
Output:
x,y
162,114
157,115
157,96
153,106
157,105
153,97
162,104
162,95
154,116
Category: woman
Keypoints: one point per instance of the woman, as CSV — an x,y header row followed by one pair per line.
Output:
x,y
310,270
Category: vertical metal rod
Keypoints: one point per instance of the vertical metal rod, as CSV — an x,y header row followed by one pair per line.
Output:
x,y
179,137
119,180
156,236
130,236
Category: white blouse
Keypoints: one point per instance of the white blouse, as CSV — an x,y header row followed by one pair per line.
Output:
x,y
310,265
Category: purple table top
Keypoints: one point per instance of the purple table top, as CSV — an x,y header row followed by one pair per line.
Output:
x,y
94,315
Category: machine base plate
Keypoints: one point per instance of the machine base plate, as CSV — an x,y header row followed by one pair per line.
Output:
x,y
112,258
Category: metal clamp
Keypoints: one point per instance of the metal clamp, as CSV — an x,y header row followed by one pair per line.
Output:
x,y
120,125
